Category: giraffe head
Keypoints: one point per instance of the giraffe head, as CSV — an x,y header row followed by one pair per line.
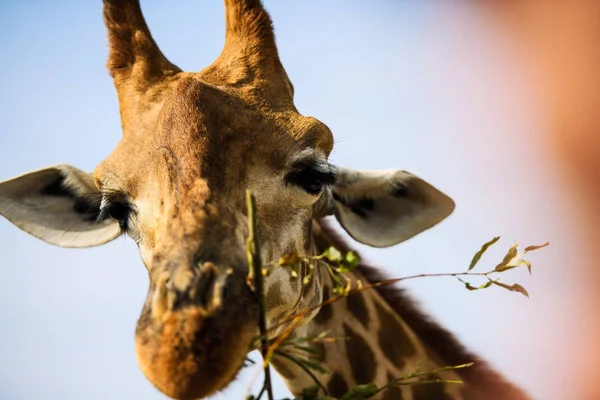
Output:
x,y
192,144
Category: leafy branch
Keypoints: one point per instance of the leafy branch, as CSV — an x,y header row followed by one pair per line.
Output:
x,y
255,277
338,266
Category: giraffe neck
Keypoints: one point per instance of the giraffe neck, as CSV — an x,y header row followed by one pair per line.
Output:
x,y
386,338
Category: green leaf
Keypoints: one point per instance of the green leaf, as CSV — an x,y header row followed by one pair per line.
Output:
x,y
332,254
350,261
525,262
517,259
514,288
514,263
347,288
478,255
484,286
518,288
532,248
510,255
337,281
361,392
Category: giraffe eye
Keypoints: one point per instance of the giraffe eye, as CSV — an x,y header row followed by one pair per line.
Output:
x,y
117,208
311,179
119,212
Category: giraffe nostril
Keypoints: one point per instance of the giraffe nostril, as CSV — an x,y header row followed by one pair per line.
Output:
x,y
207,288
184,288
201,290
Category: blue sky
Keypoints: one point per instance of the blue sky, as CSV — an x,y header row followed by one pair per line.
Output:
x,y
429,87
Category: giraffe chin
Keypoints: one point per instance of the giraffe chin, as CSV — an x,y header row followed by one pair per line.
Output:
x,y
191,355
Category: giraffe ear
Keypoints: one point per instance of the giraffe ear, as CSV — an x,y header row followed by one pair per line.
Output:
x,y
59,205
384,208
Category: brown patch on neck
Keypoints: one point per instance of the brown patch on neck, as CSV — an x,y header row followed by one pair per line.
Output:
x,y
357,307
326,312
337,386
394,340
319,348
360,357
481,381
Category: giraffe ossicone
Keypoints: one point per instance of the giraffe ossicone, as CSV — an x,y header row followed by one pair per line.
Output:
x,y
192,143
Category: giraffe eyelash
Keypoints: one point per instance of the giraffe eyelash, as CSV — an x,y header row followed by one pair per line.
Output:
x,y
311,179
114,204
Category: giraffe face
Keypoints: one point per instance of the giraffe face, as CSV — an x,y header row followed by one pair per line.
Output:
x,y
176,184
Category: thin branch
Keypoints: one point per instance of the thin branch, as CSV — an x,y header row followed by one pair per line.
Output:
x,y
402,381
262,390
255,269
308,310
282,338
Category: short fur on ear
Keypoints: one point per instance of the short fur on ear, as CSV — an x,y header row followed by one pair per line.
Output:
x,y
383,208
58,205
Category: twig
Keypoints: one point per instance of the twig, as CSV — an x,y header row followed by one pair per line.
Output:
x,y
255,271
308,310
262,390
282,338
405,380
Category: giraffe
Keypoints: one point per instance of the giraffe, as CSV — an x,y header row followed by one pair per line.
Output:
x,y
192,142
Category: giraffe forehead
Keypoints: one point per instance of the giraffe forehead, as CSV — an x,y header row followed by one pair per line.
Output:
x,y
197,110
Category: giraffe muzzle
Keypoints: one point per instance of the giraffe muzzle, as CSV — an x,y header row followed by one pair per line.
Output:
x,y
196,330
